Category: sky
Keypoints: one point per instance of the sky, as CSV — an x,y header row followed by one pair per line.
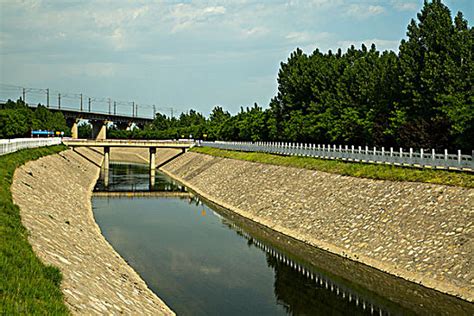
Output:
x,y
182,54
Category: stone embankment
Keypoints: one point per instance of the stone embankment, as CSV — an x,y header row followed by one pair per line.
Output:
x,y
420,232
54,195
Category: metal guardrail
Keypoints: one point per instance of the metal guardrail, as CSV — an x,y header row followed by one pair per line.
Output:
x,y
11,145
422,158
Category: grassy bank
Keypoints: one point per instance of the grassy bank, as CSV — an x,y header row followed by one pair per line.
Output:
x,y
27,286
372,171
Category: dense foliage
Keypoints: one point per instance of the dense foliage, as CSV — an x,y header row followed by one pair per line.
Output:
x,y
421,97
17,120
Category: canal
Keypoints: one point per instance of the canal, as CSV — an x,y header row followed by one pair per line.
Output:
x,y
205,260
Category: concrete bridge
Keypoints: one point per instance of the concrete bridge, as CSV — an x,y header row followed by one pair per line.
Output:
x,y
152,145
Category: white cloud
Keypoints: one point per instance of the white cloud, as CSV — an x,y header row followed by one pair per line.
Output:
x,y
401,5
117,17
185,16
298,37
254,31
100,70
362,11
307,37
314,3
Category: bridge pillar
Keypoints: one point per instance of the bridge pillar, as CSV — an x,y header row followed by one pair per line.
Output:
x,y
152,158
106,157
74,130
73,123
99,129
122,126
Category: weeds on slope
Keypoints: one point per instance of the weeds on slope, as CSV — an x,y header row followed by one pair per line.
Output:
x,y
361,170
27,286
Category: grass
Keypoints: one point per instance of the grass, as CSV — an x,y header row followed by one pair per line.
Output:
x,y
361,170
27,286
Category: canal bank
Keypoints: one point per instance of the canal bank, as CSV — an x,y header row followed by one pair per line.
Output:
x,y
54,196
205,260
419,232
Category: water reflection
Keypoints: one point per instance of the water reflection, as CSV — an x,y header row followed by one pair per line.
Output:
x,y
134,178
301,290
204,260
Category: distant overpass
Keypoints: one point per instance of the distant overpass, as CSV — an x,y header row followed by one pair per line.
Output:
x,y
99,121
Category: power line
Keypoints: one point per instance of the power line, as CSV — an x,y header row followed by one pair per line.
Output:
x,y
103,104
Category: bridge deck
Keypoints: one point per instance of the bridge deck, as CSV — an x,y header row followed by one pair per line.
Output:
x,y
128,143
86,115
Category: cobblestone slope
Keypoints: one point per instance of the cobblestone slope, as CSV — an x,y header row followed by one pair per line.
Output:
x,y
54,195
418,231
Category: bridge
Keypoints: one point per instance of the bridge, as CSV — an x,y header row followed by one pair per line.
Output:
x,y
77,106
99,121
152,145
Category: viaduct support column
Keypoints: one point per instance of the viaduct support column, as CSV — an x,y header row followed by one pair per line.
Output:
x,y
123,126
99,129
74,129
72,123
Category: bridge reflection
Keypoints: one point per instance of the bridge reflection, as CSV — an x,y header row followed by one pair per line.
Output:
x,y
144,194
137,179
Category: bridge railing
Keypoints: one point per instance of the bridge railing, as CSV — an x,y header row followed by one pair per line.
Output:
x,y
401,157
11,145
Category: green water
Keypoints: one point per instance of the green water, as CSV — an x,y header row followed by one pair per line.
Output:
x,y
202,260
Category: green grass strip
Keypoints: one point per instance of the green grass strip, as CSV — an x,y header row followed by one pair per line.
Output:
x,y
27,286
361,170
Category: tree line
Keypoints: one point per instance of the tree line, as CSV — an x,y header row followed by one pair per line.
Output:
x,y
17,120
421,97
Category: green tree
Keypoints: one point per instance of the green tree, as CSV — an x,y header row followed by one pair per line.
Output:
x,y
436,79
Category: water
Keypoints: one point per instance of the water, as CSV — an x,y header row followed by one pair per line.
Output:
x,y
204,260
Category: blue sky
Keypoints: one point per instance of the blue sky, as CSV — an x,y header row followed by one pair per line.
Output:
x,y
184,54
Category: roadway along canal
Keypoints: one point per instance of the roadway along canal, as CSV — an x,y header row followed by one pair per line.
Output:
x,y
202,260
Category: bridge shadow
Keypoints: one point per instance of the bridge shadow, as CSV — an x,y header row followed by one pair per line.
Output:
x,y
87,158
170,159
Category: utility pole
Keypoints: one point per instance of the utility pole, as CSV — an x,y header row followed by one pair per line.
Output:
x,y
59,100
47,97
81,102
110,106
24,95
136,110
171,112
115,108
133,108
154,111
89,104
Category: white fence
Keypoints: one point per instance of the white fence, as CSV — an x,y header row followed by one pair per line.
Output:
x,y
11,145
400,157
